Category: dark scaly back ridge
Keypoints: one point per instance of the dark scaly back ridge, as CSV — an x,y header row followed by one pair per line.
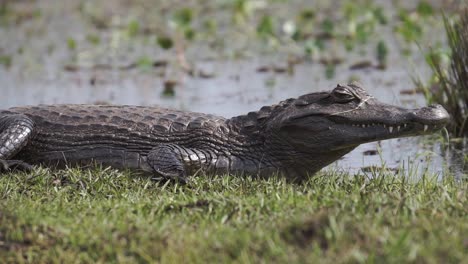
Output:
x,y
135,118
253,121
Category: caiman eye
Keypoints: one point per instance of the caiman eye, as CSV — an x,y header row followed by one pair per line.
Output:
x,y
343,95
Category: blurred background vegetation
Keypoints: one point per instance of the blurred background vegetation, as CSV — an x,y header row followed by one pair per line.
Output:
x,y
324,31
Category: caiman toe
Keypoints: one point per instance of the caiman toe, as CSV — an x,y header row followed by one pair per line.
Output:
x,y
14,165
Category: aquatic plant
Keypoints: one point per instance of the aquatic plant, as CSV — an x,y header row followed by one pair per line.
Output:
x,y
452,83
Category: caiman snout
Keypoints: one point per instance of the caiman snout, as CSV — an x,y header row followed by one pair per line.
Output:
x,y
434,114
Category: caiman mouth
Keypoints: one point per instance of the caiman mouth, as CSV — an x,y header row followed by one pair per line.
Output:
x,y
404,123
399,129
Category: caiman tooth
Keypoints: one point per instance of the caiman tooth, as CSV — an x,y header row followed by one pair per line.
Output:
x,y
390,128
425,127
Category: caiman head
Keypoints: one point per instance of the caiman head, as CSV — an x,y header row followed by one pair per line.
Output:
x,y
321,127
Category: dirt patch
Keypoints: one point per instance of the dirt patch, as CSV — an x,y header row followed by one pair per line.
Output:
x,y
310,230
193,205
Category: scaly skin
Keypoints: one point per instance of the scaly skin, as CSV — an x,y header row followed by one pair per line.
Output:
x,y
296,137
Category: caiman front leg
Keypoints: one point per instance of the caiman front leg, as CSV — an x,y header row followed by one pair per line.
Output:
x,y
15,132
172,161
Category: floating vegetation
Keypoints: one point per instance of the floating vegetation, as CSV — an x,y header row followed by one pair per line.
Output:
x,y
144,63
71,43
133,28
382,53
169,88
265,27
165,42
380,15
93,39
330,71
425,9
328,28
196,30
211,26
5,60
183,19
410,28
10,15
451,89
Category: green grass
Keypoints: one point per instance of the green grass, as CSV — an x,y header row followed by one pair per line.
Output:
x,y
101,215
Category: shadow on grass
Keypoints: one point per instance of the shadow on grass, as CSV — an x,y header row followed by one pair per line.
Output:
x,y
26,237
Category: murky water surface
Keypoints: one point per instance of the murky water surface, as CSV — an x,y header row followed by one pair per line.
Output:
x,y
55,60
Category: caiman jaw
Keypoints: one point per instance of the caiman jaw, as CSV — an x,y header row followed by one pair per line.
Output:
x,y
379,122
400,129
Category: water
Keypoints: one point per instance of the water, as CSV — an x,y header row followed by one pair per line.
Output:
x,y
46,70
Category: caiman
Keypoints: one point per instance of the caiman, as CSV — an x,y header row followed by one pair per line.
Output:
x,y
295,138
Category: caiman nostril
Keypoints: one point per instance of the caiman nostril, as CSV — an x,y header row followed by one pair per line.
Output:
x,y
434,113
436,106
